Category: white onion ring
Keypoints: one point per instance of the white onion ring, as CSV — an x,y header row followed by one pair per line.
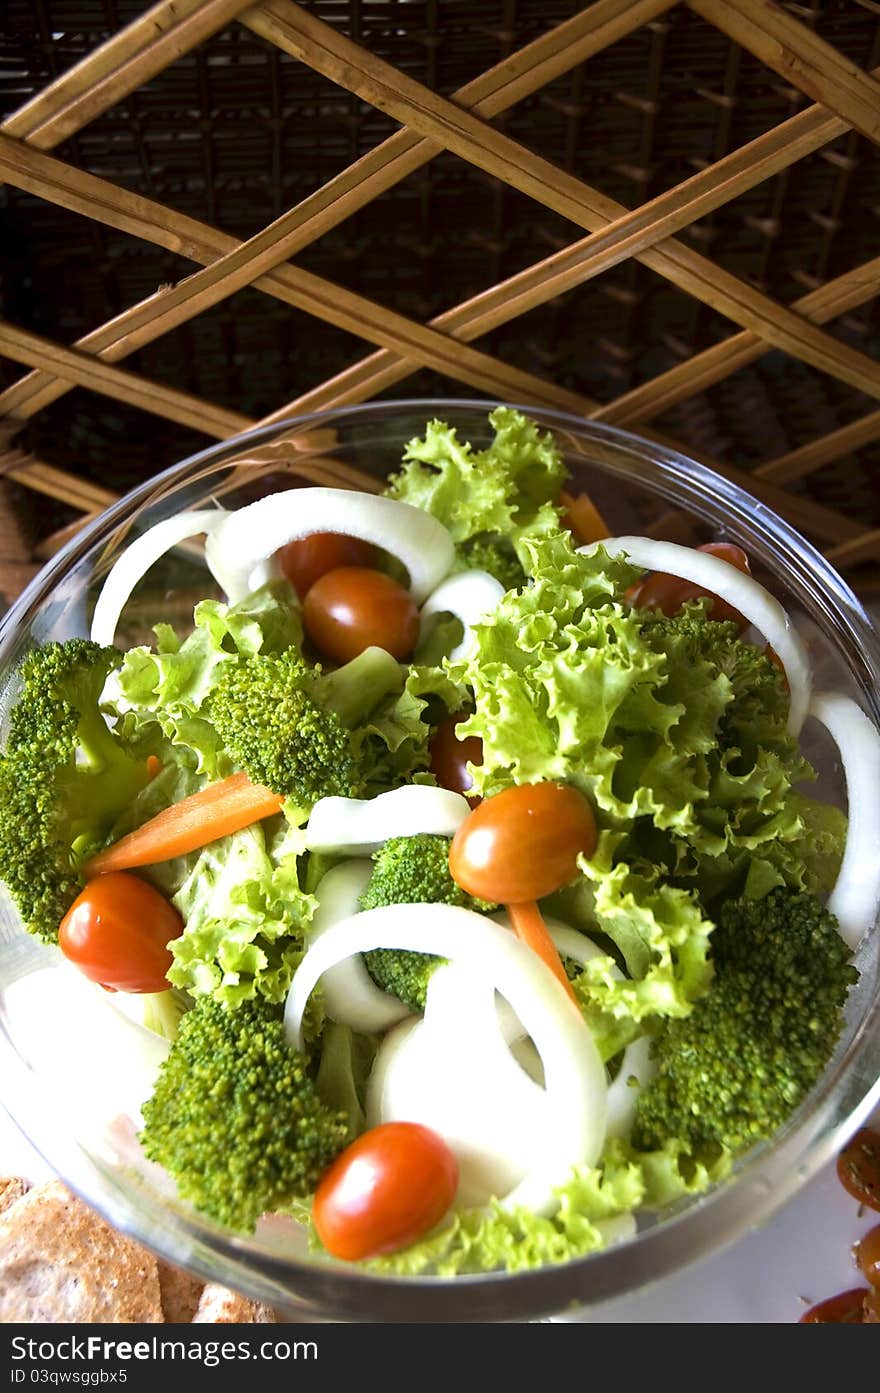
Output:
x,y
454,1074
359,826
856,896
573,1071
351,997
251,534
718,576
469,597
136,560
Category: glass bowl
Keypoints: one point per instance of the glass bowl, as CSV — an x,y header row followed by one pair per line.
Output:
x,y
65,1106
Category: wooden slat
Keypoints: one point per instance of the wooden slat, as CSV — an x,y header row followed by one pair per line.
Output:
x,y
355,313
538,62
26,468
798,463
695,375
801,57
383,86
126,61
85,371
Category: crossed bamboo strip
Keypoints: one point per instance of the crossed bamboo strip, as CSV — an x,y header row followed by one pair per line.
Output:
x,y
800,56
691,200
243,262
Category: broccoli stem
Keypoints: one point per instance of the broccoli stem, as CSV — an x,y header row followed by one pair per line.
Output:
x,y
352,691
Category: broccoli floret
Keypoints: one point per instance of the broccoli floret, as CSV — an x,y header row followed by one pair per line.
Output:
x,y
497,556
411,870
235,1117
732,1071
290,727
64,779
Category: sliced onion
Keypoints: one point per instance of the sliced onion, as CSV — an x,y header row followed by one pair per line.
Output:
x,y
855,898
720,578
351,997
250,535
469,597
454,1074
359,826
137,559
636,1069
574,1073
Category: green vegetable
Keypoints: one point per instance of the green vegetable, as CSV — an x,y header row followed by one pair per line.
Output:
x,y
411,870
500,496
495,1239
163,1012
287,725
235,1117
167,687
343,1072
675,730
497,556
245,917
733,1071
64,778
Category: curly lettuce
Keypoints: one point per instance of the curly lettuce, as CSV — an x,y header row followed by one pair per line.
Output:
x,y
491,501
675,730
167,685
594,1209
245,917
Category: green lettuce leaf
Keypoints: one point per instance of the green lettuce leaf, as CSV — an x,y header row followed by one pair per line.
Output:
x,y
591,1204
245,916
490,500
676,732
166,686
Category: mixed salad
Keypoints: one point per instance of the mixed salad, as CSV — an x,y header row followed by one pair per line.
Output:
x,y
463,857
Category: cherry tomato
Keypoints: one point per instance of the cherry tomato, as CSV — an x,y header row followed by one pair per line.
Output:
x,y
668,593
384,1191
306,559
353,608
451,754
858,1168
522,843
116,932
844,1309
868,1256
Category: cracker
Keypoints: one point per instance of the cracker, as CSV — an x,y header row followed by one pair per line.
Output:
x,y
180,1293
61,1263
220,1306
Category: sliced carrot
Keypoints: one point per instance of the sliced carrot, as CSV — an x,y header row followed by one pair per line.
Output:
x,y
154,766
583,518
204,817
529,927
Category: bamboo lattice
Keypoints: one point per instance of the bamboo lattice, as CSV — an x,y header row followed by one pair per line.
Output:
x,y
538,220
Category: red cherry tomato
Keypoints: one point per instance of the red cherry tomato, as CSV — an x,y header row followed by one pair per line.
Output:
x,y
868,1256
847,1308
451,755
668,593
522,843
353,608
116,932
858,1167
384,1191
306,559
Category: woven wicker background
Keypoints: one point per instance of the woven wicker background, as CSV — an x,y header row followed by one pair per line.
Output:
x,y
412,178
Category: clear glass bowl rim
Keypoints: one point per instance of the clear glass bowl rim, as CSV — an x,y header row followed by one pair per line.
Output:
x,y
764,1180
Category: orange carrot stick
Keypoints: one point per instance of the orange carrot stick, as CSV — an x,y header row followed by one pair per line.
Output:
x,y
213,812
583,518
530,929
